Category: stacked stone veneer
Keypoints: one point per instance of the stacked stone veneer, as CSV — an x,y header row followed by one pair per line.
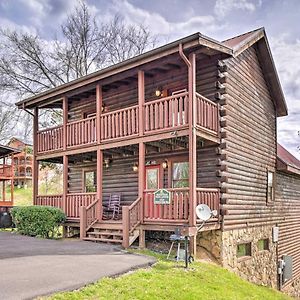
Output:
x,y
259,268
293,289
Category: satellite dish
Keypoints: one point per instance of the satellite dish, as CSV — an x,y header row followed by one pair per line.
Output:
x,y
204,213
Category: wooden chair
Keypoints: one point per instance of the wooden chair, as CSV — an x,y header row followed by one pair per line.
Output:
x,y
112,210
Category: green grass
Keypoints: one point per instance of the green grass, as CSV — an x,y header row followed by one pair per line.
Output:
x,y
166,280
23,197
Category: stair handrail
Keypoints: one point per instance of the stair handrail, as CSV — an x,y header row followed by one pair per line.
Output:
x,y
131,218
88,217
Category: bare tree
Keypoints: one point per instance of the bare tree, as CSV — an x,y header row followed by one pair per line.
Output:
x,y
30,65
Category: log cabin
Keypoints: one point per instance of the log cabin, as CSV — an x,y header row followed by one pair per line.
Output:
x,y
7,175
195,117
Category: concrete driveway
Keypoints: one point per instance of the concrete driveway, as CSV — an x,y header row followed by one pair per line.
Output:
x,y
31,267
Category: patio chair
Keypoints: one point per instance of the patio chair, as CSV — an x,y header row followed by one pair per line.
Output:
x,y
112,209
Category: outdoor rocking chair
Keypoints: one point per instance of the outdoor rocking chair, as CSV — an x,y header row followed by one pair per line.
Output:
x,y
112,210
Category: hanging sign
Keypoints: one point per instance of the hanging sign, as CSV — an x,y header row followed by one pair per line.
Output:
x,y
162,196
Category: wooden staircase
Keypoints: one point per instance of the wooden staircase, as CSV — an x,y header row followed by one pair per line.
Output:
x,y
109,232
124,231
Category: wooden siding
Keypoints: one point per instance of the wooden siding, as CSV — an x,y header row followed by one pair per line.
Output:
x,y
287,195
249,127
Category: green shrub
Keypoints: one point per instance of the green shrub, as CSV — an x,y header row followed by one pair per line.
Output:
x,y
42,221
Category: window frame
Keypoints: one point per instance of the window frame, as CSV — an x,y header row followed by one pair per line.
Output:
x,y
272,199
246,256
87,170
181,160
266,247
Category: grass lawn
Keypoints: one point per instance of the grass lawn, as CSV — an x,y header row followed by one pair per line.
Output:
x,y
23,197
166,280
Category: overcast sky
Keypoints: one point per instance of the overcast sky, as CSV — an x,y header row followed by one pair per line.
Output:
x,y
219,19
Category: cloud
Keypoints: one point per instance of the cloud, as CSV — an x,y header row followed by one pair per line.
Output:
x,y
224,7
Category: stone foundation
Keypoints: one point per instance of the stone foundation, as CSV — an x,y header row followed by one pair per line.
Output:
x,y
293,289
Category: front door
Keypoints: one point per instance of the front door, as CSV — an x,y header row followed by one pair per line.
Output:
x,y
153,181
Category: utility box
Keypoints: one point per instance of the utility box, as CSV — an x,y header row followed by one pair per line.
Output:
x,y
288,268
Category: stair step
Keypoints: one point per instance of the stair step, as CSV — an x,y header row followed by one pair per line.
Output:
x,y
93,239
105,233
116,226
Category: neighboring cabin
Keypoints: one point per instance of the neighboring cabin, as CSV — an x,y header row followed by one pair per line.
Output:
x,y
23,162
196,117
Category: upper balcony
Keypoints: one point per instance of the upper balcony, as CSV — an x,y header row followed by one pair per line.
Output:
x,y
163,115
6,171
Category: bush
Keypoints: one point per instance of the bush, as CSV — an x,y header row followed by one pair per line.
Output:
x,y
42,221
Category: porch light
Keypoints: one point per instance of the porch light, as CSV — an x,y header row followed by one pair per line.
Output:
x,y
158,92
135,167
107,162
165,164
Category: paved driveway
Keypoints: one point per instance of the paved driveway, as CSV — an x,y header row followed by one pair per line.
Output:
x,y
31,267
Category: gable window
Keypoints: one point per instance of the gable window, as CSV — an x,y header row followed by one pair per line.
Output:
x,y
270,186
243,250
180,174
90,181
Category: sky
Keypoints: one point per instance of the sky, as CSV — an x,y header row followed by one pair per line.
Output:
x,y
173,19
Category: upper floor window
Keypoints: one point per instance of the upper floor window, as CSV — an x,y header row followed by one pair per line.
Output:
x,y
180,174
270,186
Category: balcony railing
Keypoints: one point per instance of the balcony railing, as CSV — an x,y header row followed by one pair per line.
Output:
x,y
82,132
49,200
50,139
75,201
159,115
5,171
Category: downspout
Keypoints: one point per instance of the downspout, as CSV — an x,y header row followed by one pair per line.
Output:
x,y
183,56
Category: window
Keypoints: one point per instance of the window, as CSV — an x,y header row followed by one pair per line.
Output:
x,y
90,181
243,250
152,178
263,244
180,175
270,186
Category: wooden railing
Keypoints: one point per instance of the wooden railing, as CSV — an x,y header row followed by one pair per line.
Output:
x,y
207,115
88,217
168,112
82,132
176,211
49,200
50,139
131,218
120,123
5,171
210,197
77,200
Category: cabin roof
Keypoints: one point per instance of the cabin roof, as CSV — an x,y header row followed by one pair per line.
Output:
x,y
286,161
5,150
25,142
230,47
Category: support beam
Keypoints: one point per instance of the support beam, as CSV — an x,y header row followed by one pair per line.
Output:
x,y
141,97
192,140
35,168
99,183
99,104
141,180
65,182
65,121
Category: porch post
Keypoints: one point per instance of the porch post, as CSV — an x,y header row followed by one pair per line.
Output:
x,y
141,97
65,183
98,111
141,188
12,178
99,182
192,140
35,167
65,121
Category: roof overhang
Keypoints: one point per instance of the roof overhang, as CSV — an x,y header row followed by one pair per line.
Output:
x,y
284,167
5,151
192,41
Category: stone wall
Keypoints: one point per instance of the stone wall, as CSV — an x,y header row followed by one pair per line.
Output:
x,y
259,268
293,289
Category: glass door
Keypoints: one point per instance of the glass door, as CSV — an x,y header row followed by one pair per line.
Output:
x,y
152,177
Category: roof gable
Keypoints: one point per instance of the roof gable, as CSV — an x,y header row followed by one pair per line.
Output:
x,y
286,161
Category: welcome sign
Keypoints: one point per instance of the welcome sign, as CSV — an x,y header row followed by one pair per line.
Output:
x,y
162,196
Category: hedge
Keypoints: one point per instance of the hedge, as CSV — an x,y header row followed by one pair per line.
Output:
x,y
42,221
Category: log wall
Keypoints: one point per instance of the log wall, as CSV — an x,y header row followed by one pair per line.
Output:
x,y
249,143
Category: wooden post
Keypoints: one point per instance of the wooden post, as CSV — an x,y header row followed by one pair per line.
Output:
x,y
99,103
12,179
141,97
65,183
82,215
65,122
35,167
141,188
192,148
3,190
99,183
126,224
